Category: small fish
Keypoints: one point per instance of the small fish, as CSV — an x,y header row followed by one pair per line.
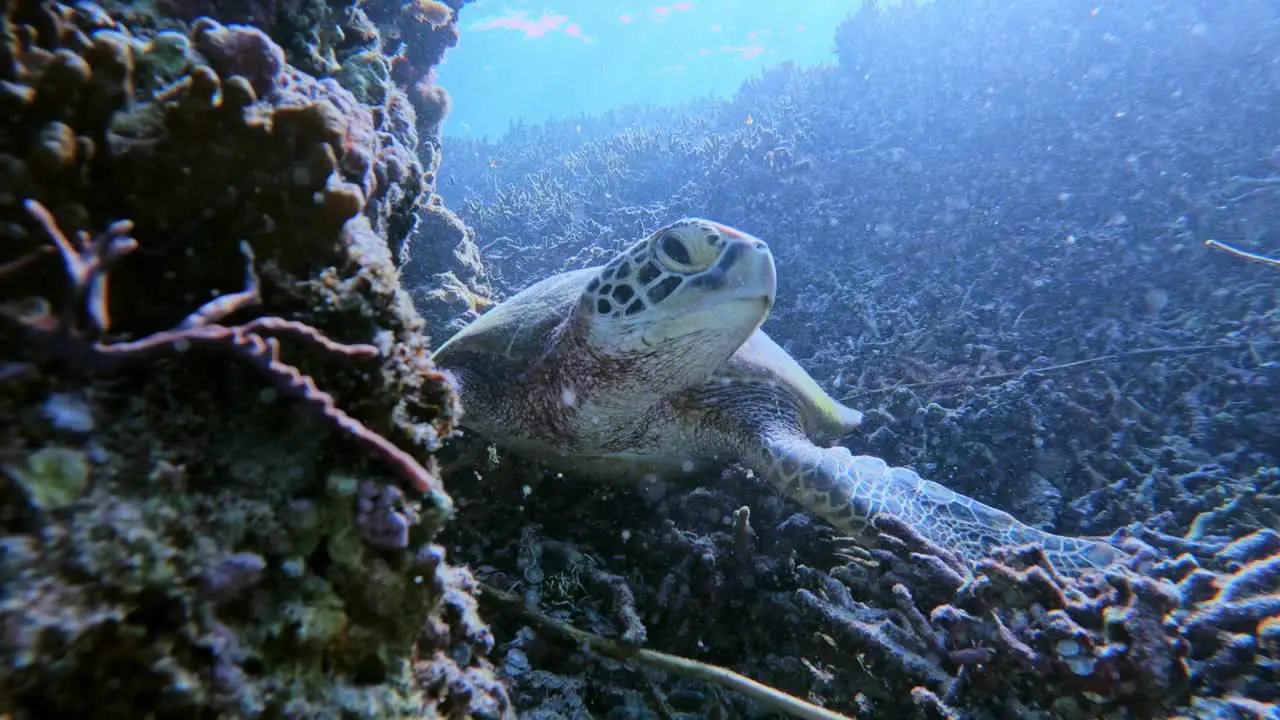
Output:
x,y
494,164
750,120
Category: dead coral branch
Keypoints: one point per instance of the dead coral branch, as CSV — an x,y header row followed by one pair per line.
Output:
x,y
684,667
87,267
87,263
1216,245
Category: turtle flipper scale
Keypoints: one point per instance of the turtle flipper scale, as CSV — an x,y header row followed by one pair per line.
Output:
x,y
849,490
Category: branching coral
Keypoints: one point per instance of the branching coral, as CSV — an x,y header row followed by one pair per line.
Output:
x,y
88,267
1129,636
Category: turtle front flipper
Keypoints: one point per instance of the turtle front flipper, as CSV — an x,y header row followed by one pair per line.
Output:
x,y
849,490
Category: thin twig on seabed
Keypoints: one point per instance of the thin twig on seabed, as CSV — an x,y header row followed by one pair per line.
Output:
x,y
693,669
1242,253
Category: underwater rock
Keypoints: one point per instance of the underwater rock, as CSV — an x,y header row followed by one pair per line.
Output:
x,y
252,359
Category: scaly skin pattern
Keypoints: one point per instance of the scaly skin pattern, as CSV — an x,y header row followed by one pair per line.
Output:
x,y
760,424
646,364
848,490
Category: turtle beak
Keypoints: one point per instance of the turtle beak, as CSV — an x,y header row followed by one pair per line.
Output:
x,y
765,281
748,268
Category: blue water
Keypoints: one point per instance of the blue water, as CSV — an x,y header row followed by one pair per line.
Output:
x,y
536,60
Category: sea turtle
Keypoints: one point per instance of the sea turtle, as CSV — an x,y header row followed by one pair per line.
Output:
x,y
655,365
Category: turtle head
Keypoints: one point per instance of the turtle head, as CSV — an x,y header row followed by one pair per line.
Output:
x,y
688,295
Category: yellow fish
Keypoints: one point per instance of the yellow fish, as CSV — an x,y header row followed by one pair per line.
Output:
x,y
750,119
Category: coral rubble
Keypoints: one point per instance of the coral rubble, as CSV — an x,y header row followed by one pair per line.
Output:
x,y
990,224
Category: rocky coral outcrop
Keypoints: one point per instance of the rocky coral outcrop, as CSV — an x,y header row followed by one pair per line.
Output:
x,y
218,410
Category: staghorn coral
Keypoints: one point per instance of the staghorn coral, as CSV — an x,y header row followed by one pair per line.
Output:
x,y
1159,636
179,538
1008,633
1228,613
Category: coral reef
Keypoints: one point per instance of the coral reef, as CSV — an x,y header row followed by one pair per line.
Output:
x,y
900,629
994,246
449,283
216,491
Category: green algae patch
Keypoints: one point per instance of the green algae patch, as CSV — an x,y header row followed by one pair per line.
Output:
x,y
54,476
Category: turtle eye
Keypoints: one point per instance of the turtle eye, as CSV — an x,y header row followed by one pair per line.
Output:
x,y
675,250
682,250
675,253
